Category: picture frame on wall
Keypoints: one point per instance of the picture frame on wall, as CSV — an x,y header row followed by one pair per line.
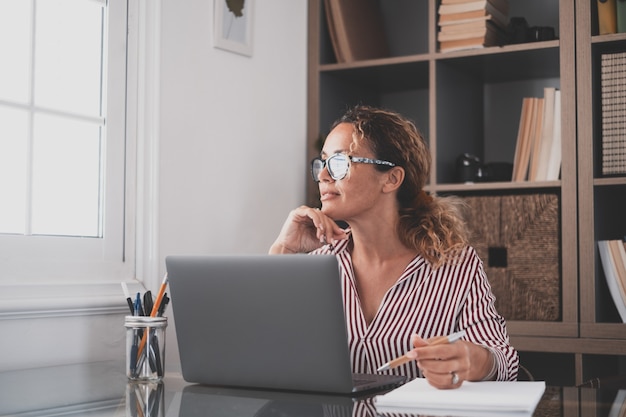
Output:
x,y
233,26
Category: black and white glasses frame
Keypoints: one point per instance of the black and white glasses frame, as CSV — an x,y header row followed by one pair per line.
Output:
x,y
338,165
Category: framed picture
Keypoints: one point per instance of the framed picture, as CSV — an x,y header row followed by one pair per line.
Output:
x,y
233,26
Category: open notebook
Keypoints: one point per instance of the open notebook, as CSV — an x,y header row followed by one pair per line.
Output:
x,y
264,321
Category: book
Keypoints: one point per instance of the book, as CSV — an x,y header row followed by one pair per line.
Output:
x,y
496,16
619,258
547,134
607,20
500,4
418,397
467,34
462,44
452,41
620,14
356,30
528,140
536,138
522,153
332,32
469,26
447,7
618,407
554,159
612,278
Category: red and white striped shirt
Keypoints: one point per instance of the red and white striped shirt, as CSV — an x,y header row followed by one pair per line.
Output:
x,y
427,302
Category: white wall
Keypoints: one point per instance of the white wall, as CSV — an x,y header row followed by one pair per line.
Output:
x,y
232,129
232,132
232,164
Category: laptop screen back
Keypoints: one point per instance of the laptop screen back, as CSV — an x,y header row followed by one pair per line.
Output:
x,y
261,321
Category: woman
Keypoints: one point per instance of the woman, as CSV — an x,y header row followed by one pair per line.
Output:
x,y
408,273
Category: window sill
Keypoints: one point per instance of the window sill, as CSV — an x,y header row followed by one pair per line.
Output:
x,y
20,301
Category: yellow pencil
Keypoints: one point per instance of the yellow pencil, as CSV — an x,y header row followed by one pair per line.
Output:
x,y
159,299
440,340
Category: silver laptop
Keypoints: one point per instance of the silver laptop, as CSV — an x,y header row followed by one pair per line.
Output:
x,y
264,321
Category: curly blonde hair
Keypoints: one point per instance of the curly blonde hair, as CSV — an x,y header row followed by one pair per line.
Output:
x,y
432,225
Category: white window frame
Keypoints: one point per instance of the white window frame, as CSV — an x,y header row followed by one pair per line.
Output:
x,y
29,288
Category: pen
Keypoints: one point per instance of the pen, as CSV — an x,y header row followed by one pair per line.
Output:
x,y
147,301
155,356
434,341
138,305
128,299
163,305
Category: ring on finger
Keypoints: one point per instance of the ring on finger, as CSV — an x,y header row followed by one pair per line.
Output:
x,y
455,378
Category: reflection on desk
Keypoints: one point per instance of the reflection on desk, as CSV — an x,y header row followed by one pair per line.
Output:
x,y
197,401
101,390
63,390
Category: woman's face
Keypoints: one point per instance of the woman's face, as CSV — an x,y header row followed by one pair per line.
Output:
x,y
358,192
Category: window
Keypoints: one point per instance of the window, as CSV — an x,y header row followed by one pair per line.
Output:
x,y
64,172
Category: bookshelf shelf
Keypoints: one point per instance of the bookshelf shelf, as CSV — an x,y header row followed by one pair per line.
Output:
x,y
603,331
609,181
373,63
614,37
493,50
470,101
487,186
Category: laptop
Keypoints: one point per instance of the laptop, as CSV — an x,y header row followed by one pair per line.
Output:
x,y
265,321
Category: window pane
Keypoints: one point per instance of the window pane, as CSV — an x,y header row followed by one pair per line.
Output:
x,y
68,55
66,177
15,29
13,169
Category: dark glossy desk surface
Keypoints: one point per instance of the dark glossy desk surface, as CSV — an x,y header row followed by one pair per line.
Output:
x,y
101,390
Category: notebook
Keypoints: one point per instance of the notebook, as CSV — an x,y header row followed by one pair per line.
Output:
x,y
264,321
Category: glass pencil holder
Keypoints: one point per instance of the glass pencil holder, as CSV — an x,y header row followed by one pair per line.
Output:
x,y
145,347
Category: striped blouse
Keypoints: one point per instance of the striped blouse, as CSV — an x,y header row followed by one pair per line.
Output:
x,y
427,302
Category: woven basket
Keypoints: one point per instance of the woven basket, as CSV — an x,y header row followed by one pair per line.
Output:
x,y
523,231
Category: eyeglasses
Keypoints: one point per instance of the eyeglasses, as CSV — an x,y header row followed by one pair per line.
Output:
x,y
339,164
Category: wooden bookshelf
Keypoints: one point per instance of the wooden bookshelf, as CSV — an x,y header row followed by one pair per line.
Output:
x,y
469,101
601,200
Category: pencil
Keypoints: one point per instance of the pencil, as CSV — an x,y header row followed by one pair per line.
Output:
x,y
434,341
157,302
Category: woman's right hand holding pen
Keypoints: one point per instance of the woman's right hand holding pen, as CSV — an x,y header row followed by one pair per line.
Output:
x,y
447,365
306,229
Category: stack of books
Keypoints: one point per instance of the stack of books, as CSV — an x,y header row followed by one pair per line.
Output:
x,y
538,147
613,91
468,24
